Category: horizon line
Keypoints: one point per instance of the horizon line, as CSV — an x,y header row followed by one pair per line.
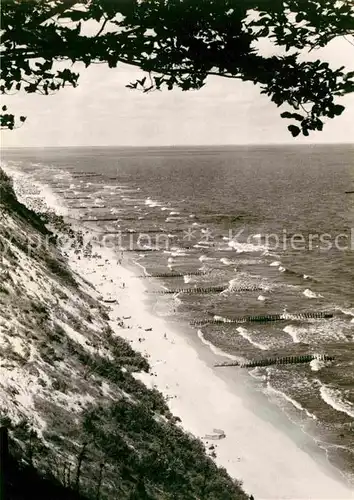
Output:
x,y
130,146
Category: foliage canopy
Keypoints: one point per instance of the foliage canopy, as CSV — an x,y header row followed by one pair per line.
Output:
x,y
178,43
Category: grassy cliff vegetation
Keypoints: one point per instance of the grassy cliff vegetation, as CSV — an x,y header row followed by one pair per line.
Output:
x,y
80,424
10,204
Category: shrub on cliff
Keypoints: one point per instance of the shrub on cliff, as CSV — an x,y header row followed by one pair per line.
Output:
x,y
10,204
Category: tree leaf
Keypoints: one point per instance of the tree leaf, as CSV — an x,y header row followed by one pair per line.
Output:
x,y
295,131
338,109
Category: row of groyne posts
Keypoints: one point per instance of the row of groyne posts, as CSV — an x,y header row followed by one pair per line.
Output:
x,y
264,318
211,289
287,360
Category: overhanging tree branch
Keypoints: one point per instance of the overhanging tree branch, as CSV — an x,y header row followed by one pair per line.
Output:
x,y
179,43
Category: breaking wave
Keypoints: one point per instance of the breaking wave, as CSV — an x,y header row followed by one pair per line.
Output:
x,y
245,334
335,399
271,391
311,295
216,350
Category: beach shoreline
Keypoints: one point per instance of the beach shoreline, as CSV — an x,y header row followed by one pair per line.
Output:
x,y
257,451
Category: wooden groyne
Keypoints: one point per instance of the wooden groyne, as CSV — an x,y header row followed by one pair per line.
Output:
x,y
200,290
86,174
173,275
264,318
250,288
287,360
309,315
139,250
196,290
75,198
135,231
100,219
86,206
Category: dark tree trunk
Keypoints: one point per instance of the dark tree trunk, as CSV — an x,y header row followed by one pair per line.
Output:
x,y
4,460
79,464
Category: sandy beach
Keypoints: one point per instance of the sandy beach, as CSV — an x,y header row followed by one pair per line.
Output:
x,y
269,463
257,448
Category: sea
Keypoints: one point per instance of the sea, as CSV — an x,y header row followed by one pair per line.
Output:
x,y
238,235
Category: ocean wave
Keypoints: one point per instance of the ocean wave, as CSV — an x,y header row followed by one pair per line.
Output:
x,y
336,400
275,263
152,203
227,262
249,262
347,312
216,350
142,267
174,213
221,318
233,283
245,334
317,364
272,391
258,374
311,295
242,281
179,254
203,246
173,219
325,329
294,332
204,258
245,247
207,243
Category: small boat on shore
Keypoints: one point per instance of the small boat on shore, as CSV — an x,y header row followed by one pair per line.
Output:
x,y
217,434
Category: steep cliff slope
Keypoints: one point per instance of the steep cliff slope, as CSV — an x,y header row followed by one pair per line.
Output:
x,y
69,390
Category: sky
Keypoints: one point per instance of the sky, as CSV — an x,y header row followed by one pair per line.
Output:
x,y
101,111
